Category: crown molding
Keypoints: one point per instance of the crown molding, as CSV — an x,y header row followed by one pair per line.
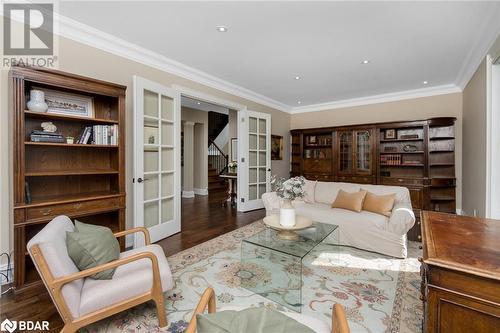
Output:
x,y
487,35
382,98
85,34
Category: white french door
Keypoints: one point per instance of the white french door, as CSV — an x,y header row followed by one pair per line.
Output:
x,y
157,169
254,177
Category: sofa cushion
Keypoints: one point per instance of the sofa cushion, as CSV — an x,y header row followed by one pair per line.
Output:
x,y
380,204
129,280
309,189
349,200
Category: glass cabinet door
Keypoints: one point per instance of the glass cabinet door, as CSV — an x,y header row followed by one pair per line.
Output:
x,y
363,152
345,152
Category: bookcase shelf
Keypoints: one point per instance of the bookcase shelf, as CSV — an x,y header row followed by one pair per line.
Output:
x,y
54,116
84,181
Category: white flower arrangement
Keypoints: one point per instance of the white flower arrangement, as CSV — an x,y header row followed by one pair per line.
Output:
x,y
289,189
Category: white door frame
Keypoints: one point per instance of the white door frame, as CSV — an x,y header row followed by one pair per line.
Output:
x,y
241,110
138,172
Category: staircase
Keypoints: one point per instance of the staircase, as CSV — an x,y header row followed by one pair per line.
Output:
x,y
217,160
216,123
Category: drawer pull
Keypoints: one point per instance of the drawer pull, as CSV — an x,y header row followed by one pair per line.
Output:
x,y
78,205
419,237
46,212
400,180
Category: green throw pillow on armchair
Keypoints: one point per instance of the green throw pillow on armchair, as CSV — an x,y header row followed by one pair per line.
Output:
x,y
92,245
254,320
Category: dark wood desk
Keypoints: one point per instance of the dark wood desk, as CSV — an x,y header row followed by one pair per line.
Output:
x,y
232,178
460,274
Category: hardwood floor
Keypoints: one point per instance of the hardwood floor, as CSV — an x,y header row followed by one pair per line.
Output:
x,y
203,218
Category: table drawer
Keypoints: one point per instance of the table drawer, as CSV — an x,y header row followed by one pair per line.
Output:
x,y
401,181
323,178
72,208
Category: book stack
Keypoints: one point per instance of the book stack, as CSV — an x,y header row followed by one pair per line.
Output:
x,y
85,136
390,159
105,134
42,136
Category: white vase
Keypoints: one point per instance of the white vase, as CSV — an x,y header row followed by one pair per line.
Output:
x,y
287,215
37,101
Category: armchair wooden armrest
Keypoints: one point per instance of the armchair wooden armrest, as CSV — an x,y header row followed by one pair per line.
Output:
x,y
147,238
207,300
339,320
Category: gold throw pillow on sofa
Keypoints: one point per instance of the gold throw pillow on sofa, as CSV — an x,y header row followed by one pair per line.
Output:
x,y
350,201
380,204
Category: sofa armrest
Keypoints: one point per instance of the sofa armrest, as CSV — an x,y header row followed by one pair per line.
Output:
x,y
271,202
402,218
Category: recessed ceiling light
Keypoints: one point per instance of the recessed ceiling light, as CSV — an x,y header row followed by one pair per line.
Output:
x,y
425,82
221,28
299,102
365,62
297,78
198,103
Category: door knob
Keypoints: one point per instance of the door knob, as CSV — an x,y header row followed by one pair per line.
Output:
x,y
140,180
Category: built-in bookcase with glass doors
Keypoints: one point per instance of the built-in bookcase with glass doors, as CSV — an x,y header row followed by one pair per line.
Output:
x,y
156,159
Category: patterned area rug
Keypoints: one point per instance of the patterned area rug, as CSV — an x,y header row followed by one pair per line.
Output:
x,y
380,293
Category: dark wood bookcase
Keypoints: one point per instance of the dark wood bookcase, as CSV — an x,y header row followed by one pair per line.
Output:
x,y
84,181
419,155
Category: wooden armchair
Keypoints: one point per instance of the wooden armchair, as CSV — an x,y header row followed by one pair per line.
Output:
x,y
339,320
141,275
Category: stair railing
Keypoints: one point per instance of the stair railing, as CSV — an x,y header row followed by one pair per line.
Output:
x,y
216,157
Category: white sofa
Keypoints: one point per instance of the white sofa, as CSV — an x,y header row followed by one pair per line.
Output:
x,y
364,230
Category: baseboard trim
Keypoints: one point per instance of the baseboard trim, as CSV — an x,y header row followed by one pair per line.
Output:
x,y
188,194
460,211
200,191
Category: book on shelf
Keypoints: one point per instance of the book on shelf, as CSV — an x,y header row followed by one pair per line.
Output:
x,y
99,135
42,136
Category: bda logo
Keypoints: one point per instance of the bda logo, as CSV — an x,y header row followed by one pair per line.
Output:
x,y
8,325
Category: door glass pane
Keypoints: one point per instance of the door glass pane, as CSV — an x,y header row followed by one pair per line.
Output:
x,y
262,126
167,134
252,144
151,187
252,125
345,152
167,184
262,175
150,159
151,132
167,108
150,104
363,151
252,178
252,158
262,158
262,142
252,192
167,210
167,159
151,214
262,190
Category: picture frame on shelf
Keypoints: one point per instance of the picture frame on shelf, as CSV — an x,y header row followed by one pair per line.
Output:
x,y
68,104
390,134
276,147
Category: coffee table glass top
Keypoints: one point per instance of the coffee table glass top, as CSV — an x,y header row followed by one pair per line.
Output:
x,y
308,239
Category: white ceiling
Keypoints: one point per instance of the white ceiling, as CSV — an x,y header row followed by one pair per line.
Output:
x,y
269,43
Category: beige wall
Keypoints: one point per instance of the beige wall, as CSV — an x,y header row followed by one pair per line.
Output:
x,y
200,162
84,60
449,105
474,145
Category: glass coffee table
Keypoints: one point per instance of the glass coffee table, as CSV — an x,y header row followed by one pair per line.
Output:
x,y
274,266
